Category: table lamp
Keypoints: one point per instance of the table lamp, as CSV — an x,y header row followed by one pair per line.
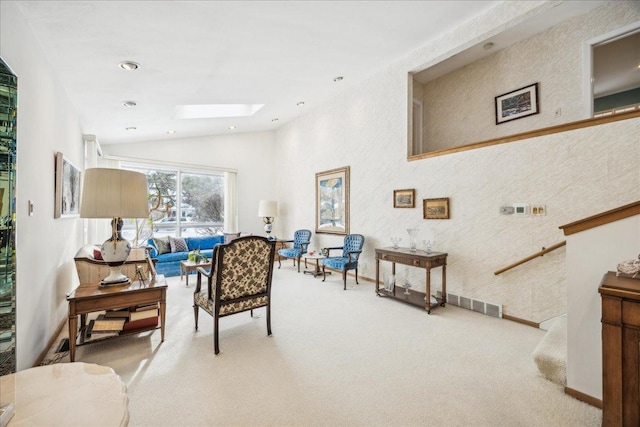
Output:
x,y
268,209
116,194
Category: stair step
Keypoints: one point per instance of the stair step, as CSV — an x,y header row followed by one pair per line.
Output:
x,y
550,354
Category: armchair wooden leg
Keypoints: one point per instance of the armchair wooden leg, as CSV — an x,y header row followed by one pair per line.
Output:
x,y
268,319
324,274
298,264
251,312
216,347
279,264
357,277
344,279
195,315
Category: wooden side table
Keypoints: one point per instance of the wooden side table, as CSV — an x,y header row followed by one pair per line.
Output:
x,y
420,259
187,267
92,297
317,271
620,350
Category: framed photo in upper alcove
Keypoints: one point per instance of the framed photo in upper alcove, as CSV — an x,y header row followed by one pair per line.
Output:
x,y
517,104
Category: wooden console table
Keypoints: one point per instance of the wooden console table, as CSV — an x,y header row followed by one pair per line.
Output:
x,y
92,297
419,259
620,350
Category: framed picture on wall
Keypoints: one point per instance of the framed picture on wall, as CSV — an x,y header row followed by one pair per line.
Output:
x,y
404,198
67,188
332,201
517,104
436,208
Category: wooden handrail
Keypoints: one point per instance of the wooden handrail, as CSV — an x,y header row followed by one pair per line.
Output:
x,y
529,258
602,218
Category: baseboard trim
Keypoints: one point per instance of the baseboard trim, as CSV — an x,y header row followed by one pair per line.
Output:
x,y
53,338
583,397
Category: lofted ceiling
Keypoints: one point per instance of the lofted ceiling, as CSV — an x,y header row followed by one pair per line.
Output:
x,y
276,53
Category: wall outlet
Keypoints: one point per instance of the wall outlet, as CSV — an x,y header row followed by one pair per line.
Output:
x,y
539,210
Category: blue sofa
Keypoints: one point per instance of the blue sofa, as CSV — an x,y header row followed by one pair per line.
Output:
x,y
169,263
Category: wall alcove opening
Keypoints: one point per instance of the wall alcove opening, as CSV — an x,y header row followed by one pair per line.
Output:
x,y
578,74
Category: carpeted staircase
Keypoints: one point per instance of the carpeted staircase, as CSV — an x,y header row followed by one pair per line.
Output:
x,y
551,353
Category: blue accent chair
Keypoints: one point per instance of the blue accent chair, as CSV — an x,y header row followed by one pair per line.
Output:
x,y
348,260
301,240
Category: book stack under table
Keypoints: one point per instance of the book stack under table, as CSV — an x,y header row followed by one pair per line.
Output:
x,y
123,321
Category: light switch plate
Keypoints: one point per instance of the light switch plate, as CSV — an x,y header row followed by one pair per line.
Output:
x,y
506,210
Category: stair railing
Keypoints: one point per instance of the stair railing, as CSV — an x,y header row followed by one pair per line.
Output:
x,y
529,258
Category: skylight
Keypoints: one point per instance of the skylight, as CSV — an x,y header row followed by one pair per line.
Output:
x,y
212,111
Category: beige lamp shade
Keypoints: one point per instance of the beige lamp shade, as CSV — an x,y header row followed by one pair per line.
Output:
x,y
114,193
268,209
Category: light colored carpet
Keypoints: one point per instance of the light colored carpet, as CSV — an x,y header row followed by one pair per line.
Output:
x,y
336,358
550,354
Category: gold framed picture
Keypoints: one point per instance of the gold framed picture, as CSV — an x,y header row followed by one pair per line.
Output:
x,y
404,198
332,201
436,208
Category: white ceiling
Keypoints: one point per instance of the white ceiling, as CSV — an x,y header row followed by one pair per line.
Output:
x,y
276,53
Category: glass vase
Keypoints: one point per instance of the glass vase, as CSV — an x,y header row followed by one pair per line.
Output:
x,y
413,232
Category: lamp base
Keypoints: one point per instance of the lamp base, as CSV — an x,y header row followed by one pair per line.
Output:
x,y
115,252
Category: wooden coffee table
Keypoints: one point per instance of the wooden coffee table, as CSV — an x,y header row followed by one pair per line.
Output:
x,y
187,267
92,297
317,271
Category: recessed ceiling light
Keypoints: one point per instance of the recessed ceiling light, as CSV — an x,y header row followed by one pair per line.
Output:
x,y
131,128
488,46
338,79
129,104
129,65
300,103
171,132
232,127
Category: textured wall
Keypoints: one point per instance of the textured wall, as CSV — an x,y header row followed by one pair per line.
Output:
x,y
575,174
552,58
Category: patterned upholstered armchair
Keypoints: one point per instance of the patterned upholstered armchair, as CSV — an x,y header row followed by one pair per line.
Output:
x,y
301,240
348,260
239,280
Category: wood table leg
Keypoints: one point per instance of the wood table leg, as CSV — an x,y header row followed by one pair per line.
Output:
x,y
427,305
377,277
444,285
73,332
163,309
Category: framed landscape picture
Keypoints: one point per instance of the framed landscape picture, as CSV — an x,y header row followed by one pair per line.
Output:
x,y
517,104
436,208
67,188
404,198
332,201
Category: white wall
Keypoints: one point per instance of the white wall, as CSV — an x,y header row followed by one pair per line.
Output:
x,y
575,174
553,59
45,246
251,154
590,254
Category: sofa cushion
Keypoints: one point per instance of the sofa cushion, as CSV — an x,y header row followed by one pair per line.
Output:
x,y
178,244
162,245
203,242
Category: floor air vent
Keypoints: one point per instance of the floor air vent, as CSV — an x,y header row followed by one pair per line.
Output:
x,y
493,310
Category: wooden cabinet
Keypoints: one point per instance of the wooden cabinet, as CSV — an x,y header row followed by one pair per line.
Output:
x,y
419,259
620,350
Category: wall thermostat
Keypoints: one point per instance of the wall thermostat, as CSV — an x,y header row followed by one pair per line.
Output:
x,y
521,209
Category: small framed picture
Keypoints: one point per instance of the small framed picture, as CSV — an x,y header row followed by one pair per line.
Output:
x,y
517,104
404,198
436,208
